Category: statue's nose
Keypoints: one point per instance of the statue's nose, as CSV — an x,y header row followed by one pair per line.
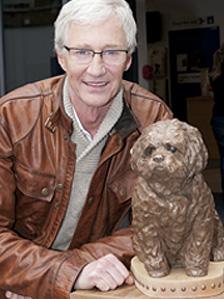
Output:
x,y
158,158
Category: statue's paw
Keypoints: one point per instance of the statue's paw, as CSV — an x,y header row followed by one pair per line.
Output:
x,y
196,272
159,273
218,255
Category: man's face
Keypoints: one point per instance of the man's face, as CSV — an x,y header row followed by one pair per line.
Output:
x,y
95,83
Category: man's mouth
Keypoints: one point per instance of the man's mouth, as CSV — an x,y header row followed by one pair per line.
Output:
x,y
96,84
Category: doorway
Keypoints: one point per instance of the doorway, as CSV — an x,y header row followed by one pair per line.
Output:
x,y
190,51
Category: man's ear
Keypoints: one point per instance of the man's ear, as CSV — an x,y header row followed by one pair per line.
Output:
x,y
61,60
128,62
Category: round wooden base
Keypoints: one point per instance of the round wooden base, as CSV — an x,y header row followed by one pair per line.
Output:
x,y
177,284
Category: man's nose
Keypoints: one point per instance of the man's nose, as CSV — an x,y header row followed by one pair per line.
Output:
x,y
96,66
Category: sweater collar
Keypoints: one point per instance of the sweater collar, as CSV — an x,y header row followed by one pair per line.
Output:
x,y
125,125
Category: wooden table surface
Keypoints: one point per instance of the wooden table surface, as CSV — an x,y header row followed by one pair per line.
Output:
x,y
125,292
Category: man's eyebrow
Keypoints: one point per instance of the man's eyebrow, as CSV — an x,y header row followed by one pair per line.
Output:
x,y
87,46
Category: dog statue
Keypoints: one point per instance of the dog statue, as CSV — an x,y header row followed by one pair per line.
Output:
x,y
175,223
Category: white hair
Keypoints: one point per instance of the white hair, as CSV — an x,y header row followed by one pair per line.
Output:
x,y
90,11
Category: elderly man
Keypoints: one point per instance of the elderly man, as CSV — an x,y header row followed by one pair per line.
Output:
x,y
65,175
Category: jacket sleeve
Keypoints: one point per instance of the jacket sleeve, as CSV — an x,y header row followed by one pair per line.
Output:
x,y
32,270
119,243
26,268
41,273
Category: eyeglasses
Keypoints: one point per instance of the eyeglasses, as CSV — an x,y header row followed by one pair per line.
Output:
x,y
109,57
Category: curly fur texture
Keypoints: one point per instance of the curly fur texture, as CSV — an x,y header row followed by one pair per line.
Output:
x,y
175,223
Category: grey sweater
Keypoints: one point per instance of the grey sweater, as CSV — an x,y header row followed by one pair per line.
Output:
x,y
88,154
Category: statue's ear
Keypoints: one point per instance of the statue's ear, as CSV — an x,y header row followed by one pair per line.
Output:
x,y
197,154
133,152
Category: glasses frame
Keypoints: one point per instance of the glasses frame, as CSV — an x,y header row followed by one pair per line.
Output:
x,y
95,52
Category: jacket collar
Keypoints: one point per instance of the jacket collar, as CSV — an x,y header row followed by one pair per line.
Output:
x,y
125,125
58,114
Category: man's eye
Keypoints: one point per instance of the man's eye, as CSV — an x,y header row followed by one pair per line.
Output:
x,y
82,52
148,151
110,52
171,148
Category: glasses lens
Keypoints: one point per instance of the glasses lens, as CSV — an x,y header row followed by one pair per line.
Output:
x,y
85,56
81,55
114,57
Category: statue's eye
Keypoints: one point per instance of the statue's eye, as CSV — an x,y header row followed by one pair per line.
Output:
x,y
148,151
171,148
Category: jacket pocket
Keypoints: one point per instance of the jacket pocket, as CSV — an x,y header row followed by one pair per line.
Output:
x,y
35,185
119,200
122,185
34,195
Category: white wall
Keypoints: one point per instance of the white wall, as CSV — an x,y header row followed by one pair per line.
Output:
x,y
185,14
174,11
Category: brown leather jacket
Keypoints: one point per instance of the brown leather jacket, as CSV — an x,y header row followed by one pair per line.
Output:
x,y
37,163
